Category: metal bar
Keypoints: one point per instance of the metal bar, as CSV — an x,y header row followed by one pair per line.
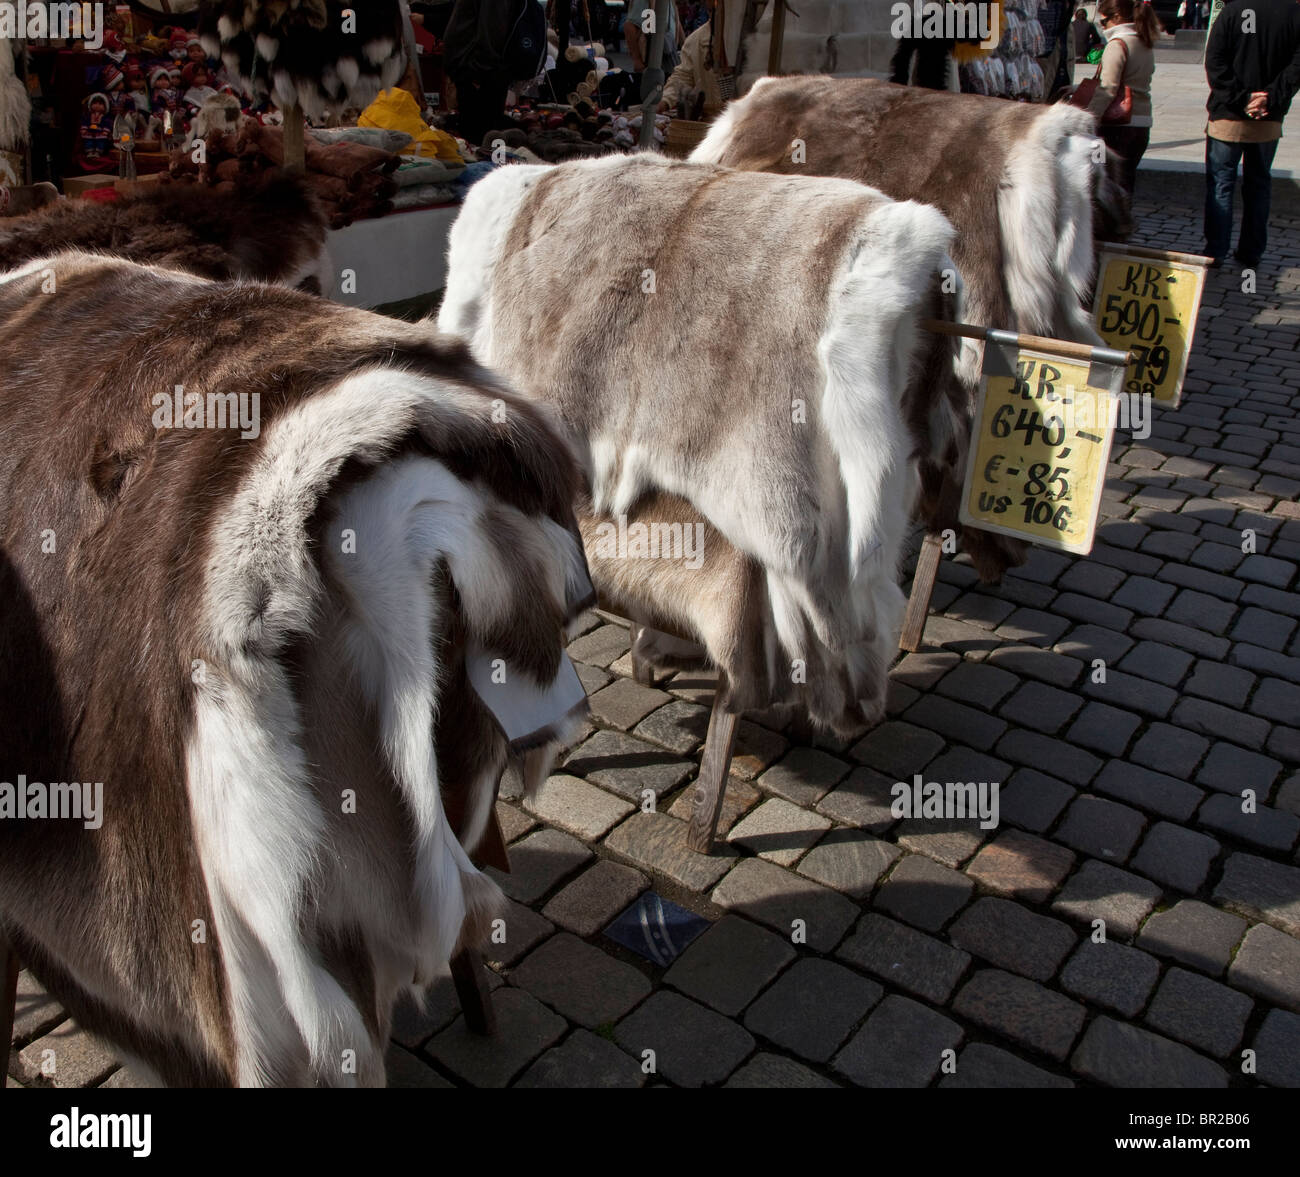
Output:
x,y
1073,351
652,80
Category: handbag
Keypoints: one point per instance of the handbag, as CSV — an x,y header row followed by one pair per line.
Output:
x,y
1119,112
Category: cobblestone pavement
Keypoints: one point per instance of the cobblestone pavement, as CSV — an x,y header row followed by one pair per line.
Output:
x,y
1121,802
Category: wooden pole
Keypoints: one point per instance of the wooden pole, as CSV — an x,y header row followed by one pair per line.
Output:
x,y
295,147
918,603
778,39
1083,352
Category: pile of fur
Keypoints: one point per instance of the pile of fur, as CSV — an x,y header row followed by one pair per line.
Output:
x,y
274,231
15,105
275,648
1022,184
745,367
302,50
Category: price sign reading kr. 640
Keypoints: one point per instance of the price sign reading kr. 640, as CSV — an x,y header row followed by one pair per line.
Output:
x,y
1146,303
1039,452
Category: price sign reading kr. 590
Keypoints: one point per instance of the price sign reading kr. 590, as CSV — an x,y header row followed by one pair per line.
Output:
x,y
1146,303
1039,450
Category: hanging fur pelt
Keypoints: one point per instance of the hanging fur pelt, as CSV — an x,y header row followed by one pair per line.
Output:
x,y
316,53
1022,184
744,373
276,575
15,105
274,232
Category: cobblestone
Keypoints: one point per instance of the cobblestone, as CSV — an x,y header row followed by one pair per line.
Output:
x,y
904,957
1193,933
692,1045
729,965
1099,891
812,1008
1121,1055
1204,1014
1021,1011
901,1045
1112,975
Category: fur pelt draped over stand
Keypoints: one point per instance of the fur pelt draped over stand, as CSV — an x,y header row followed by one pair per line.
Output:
x,y
15,105
307,51
747,358
277,633
1021,183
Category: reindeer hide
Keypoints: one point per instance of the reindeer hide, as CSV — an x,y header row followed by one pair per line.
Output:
x,y
260,640
744,343
1018,182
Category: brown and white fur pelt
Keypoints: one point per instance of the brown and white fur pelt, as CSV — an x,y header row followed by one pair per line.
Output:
x,y
1019,182
274,233
767,291
182,619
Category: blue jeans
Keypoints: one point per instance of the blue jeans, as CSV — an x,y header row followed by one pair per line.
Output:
x,y
1221,161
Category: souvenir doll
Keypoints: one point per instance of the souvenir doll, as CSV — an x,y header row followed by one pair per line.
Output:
x,y
198,88
94,151
137,89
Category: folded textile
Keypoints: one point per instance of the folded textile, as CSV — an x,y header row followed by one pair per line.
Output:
x,y
419,170
381,137
420,195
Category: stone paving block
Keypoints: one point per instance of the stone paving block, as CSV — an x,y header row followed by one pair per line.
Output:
x,y
977,683
1166,795
1171,750
960,637
1222,684
130,1078
738,798
1121,1055
1171,545
657,843
1285,742
1040,707
1086,642
901,1045
1013,937
812,1008
776,897
1177,857
405,1071
1217,557
955,721
948,840
924,668
1032,800
1021,1011
778,831
1131,692
1111,975
756,749
1033,662
524,929
624,703
1273,829
899,749
864,799
595,897
1105,729
514,822
415,1022
583,1060
923,892
601,646
729,965
774,1070
1101,891
1204,1014
592,677
1201,579
1144,595
1021,866
1092,580
1033,627
1266,570
692,1045
679,726
538,862
35,1011
1222,723
582,809
980,1066
1187,637
627,766
980,609
66,1056
1277,1049
1034,749
581,983
1194,933
1271,598
1262,627
850,861
1102,828
1288,794
1277,700
905,958
1156,661
804,777
1261,890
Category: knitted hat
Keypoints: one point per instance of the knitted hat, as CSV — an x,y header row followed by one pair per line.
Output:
x,y
160,77
98,97
111,77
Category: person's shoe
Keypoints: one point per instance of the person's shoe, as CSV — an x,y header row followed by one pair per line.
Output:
x,y
1247,263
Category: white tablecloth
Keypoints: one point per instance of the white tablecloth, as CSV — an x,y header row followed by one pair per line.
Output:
x,y
398,256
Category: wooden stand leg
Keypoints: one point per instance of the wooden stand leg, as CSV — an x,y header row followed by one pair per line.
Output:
x,y
711,785
642,671
918,604
467,971
8,997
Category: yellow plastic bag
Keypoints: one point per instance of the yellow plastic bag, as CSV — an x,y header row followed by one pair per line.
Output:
x,y
396,110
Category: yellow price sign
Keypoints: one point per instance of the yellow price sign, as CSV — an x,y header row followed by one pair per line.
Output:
x,y
1039,450
1147,301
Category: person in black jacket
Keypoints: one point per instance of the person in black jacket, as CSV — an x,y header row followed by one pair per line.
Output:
x,y
479,40
1252,61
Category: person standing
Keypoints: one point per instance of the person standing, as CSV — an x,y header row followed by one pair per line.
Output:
x,y
1252,63
1131,30
1085,35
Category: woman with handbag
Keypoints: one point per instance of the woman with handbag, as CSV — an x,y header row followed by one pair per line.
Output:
x,y
1120,94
